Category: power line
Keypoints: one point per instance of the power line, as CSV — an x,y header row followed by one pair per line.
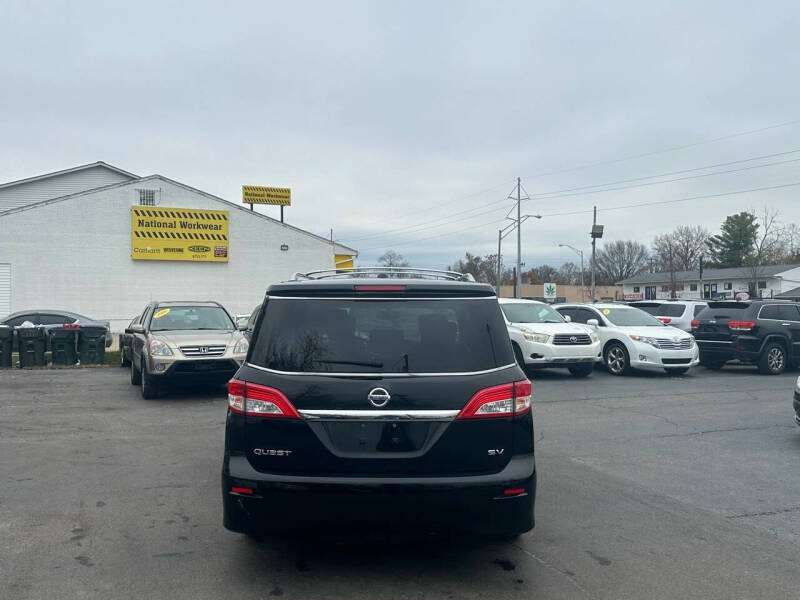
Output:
x,y
581,212
656,202
665,150
554,193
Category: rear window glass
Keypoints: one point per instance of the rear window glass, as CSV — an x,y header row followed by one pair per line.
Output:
x,y
381,336
649,308
725,311
670,310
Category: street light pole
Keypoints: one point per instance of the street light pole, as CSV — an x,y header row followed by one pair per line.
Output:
x,y
518,291
580,252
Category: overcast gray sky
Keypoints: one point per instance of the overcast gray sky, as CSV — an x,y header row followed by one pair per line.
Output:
x,y
405,124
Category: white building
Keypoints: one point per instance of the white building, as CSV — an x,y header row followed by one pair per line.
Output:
x,y
67,241
765,282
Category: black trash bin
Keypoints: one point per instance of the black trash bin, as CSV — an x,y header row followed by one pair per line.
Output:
x,y
31,342
92,344
63,346
6,341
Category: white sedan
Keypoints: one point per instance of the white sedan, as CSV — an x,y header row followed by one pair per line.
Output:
x,y
631,338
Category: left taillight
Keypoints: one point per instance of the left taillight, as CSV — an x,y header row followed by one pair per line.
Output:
x,y
254,400
664,320
507,400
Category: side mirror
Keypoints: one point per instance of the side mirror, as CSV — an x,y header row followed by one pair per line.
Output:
x,y
568,319
242,326
593,322
136,328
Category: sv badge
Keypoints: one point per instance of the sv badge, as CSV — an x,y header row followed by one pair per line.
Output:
x,y
496,451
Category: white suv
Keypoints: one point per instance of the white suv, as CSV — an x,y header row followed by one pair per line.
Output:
x,y
632,338
543,338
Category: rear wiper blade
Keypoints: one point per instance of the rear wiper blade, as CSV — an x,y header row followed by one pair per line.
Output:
x,y
357,363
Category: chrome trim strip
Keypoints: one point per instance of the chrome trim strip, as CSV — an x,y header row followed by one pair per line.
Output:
x,y
713,342
380,415
379,374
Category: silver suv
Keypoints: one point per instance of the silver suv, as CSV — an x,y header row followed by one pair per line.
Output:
x,y
675,313
184,341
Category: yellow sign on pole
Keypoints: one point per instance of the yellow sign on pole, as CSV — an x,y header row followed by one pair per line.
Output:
x,y
161,233
256,194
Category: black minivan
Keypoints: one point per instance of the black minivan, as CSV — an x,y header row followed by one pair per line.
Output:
x,y
394,401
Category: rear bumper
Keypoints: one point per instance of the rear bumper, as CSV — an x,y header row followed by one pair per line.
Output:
x,y
717,350
473,503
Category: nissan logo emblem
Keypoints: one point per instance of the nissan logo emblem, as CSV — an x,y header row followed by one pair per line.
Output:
x,y
379,397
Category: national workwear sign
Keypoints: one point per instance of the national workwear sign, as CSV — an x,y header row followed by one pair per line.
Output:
x,y
161,233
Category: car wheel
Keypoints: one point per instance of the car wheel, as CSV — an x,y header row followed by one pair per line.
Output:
x,y
773,359
616,358
581,370
518,356
149,386
680,371
123,362
136,376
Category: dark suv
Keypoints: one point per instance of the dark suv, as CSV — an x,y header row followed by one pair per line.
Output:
x,y
373,400
761,332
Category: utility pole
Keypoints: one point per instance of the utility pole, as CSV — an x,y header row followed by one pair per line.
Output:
x,y
518,288
594,240
499,261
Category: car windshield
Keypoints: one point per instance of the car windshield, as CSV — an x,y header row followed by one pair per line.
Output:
x,y
630,317
190,317
388,336
523,312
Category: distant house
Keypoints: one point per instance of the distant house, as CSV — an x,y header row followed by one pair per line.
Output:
x,y
770,281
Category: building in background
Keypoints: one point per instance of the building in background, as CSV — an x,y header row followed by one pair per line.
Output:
x,y
768,281
101,241
565,293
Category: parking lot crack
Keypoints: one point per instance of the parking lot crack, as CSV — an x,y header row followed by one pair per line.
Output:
x,y
730,429
547,565
768,513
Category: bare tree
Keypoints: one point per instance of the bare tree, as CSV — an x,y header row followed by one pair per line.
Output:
x,y
683,247
768,247
619,260
390,258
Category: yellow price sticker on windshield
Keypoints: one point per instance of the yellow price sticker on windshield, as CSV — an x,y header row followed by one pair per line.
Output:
x,y
161,313
606,311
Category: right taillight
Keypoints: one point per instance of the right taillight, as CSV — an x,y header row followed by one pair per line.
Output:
x,y
507,400
256,400
741,325
695,323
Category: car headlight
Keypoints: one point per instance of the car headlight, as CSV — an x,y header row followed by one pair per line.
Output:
x,y
241,346
159,348
645,340
594,337
539,338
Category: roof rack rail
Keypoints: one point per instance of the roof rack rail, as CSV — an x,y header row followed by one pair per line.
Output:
x,y
384,272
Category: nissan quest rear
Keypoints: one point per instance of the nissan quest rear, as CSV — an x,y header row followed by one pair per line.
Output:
x,y
380,398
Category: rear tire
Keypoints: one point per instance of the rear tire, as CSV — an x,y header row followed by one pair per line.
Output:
x,y
680,371
518,356
136,376
149,386
581,370
616,359
773,359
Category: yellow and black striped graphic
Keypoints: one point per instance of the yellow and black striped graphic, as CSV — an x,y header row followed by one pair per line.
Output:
x,y
257,194
161,233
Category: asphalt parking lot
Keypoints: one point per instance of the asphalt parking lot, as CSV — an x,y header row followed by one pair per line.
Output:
x,y
649,487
